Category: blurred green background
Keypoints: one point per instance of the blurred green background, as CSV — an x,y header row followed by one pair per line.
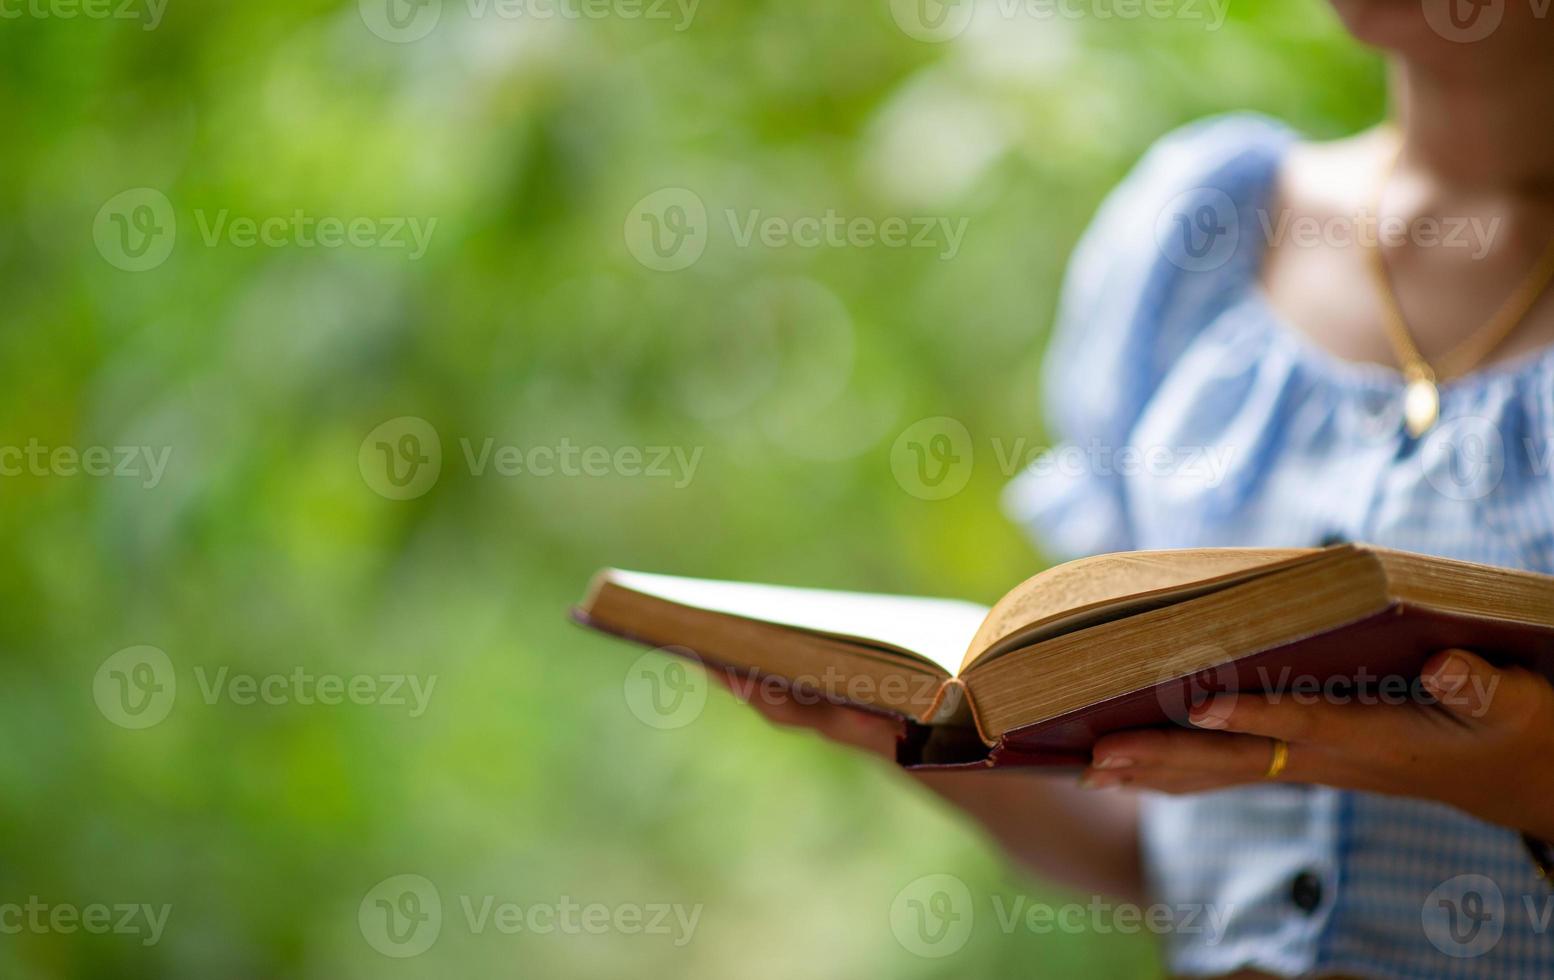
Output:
x,y
533,319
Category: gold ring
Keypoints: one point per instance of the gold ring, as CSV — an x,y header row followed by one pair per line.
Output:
x,y
1281,758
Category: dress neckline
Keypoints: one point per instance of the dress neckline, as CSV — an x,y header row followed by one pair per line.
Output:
x,y
1368,375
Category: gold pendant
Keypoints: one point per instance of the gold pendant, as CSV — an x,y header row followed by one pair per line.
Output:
x,y
1421,406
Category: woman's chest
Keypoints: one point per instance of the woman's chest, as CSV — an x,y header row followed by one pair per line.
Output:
x,y
1249,443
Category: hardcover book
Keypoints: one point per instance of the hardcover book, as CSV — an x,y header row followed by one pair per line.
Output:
x,y
1095,645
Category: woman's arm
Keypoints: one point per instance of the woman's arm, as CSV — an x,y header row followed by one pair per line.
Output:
x,y
1084,840
1087,841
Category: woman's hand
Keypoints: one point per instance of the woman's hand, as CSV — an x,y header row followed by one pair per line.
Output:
x,y
874,734
1485,747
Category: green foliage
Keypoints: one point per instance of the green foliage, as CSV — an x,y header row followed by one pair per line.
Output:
x,y
264,549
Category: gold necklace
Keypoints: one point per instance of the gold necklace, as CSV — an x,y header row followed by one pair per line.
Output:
x,y
1421,398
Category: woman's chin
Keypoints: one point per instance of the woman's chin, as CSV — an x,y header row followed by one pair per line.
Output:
x,y
1459,30
1446,31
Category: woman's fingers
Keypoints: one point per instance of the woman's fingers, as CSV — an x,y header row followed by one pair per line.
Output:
x,y
1294,719
1126,756
860,729
1466,686
1166,748
1469,733
1159,780
1367,745
1475,691
849,726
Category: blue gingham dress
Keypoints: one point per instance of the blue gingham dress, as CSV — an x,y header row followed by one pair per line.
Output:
x,y
1190,415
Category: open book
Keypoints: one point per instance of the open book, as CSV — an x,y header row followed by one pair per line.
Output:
x,y
1095,645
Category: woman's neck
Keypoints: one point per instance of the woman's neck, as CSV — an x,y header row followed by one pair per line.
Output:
x,y
1479,126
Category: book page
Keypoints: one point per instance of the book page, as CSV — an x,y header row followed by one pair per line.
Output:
x,y
1091,590
935,630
